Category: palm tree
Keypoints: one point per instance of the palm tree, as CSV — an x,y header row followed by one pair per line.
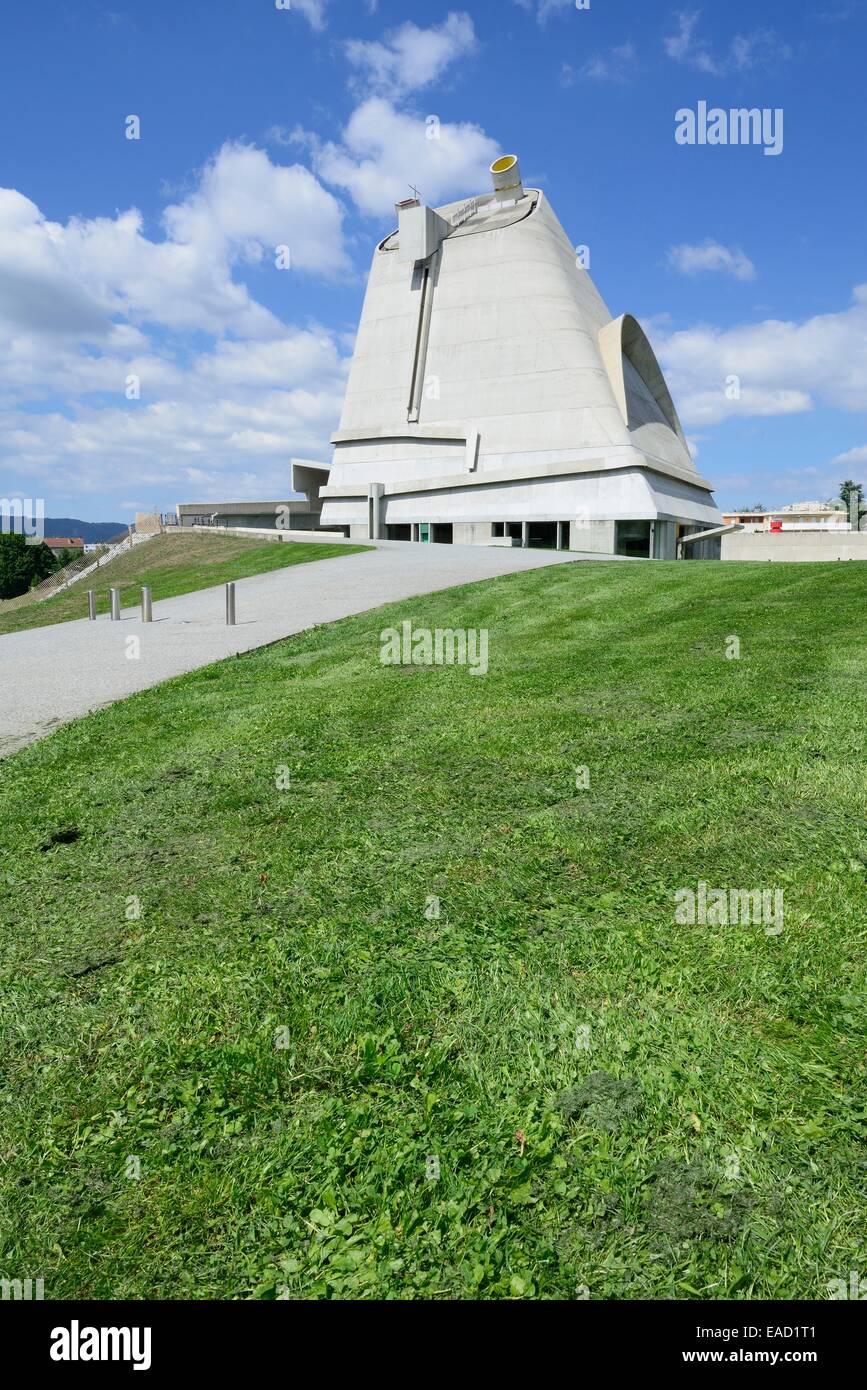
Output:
x,y
847,488
852,494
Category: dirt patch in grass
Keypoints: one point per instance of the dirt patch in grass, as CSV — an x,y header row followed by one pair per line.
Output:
x,y
687,1201
605,1102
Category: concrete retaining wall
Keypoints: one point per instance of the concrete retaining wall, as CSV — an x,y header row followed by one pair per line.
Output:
x,y
265,534
794,545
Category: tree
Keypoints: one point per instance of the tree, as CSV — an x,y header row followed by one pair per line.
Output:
x,y
45,561
16,565
22,565
850,490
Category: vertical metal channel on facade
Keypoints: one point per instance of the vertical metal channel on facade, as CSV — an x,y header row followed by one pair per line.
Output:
x,y
421,340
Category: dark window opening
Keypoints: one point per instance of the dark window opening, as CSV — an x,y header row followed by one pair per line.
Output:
x,y
542,535
441,532
632,538
398,533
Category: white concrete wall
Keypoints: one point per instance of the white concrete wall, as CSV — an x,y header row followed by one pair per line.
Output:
x,y
472,533
260,533
794,545
513,353
596,536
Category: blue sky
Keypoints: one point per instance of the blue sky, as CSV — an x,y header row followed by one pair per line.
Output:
x,y
154,259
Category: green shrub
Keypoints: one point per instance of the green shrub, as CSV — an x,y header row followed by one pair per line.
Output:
x,y
22,565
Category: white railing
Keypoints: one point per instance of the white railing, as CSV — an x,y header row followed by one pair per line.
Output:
x,y
798,526
134,538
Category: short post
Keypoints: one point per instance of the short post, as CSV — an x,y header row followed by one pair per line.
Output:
x,y
230,604
91,605
115,605
147,615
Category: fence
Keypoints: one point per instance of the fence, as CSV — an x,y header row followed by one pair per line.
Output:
x,y
73,572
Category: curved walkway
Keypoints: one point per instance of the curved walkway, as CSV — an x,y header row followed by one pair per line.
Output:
x,y
50,675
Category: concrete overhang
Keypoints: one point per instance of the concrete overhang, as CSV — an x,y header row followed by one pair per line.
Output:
x,y
522,473
448,436
307,477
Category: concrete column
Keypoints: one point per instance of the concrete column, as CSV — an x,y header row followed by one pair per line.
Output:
x,y
525,534
374,495
559,535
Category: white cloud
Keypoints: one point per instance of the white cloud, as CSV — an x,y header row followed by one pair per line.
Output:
x,y
383,151
409,57
89,303
693,441
782,367
682,47
313,11
616,65
546,8
228,424
711,255
857,455
69,281
761,48
246,205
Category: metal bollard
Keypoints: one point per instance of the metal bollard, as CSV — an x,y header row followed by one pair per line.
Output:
x,y
115,605
91,605
230,604
147,612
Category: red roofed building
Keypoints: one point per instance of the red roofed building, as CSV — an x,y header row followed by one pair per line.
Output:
x,y
59,544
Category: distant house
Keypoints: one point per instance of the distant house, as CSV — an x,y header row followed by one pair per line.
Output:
x,y
794,516
61,545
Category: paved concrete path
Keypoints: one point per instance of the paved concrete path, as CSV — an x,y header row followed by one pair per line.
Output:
x,y
49,675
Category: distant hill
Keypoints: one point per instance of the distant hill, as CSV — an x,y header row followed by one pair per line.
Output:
x,y
88,530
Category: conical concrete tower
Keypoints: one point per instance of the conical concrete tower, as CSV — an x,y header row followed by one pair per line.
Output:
x,y
493,399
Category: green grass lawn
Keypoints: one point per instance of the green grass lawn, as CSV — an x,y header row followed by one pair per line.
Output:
x,y
246,1091
171,565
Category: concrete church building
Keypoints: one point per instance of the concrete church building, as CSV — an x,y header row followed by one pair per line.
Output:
x,y
493,399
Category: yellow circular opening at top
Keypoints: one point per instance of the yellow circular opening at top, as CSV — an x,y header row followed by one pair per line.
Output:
x,y
505,161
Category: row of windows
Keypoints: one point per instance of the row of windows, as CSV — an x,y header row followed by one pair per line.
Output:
x,y
631,538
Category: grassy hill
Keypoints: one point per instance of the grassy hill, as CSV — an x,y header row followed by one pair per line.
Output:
x,y
171,565
244,1057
